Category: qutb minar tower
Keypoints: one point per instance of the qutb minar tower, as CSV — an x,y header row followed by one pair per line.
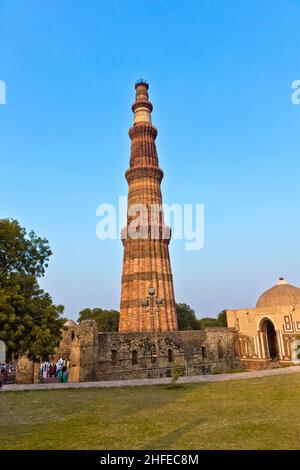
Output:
x,y
147,299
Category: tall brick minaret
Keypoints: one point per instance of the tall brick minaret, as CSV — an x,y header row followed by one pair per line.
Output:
x,y
147,299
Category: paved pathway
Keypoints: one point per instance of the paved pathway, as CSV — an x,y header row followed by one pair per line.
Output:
x,y
164,381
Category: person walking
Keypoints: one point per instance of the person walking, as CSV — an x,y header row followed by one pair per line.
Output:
x,y
65,375
60,376
4,374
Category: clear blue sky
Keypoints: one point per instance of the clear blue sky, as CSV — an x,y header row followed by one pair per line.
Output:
x,y
220,74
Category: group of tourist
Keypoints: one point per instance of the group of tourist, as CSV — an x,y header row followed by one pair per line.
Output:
x,y
57,371
51,370
7,373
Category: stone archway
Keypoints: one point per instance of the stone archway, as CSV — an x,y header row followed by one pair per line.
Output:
x,y
270,338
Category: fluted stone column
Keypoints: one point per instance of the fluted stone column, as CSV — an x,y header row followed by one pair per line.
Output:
x,y
146,262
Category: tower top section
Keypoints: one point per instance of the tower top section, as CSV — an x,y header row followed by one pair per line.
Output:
x,y
142,107
140,82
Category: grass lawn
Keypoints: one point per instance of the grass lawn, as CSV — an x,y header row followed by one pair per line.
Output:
x,y
246,414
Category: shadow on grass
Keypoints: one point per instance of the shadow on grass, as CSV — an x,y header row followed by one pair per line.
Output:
x,y
176,387
166,441
156,397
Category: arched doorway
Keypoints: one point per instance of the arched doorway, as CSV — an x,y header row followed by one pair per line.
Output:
x,y
270,338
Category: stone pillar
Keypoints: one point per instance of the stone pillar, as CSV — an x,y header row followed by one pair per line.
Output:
x,y
36,370
262,344
146,261
74,359
88,350
25,371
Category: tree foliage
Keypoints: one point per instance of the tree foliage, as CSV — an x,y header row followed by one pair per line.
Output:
x,y
222,319
21,253
210,322
187,319
29,322
107,320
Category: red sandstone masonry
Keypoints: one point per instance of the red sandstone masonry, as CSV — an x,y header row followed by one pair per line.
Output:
x,y
146,262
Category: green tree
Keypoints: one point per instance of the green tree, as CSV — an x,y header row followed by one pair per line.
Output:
x,y
20,252
222,319
107,320
29,322
187,319
210,322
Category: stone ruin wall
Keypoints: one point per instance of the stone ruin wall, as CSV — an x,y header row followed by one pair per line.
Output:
x,y
97,356
118,356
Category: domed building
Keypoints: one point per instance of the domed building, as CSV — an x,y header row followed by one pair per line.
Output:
x,y
280,295
269,332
